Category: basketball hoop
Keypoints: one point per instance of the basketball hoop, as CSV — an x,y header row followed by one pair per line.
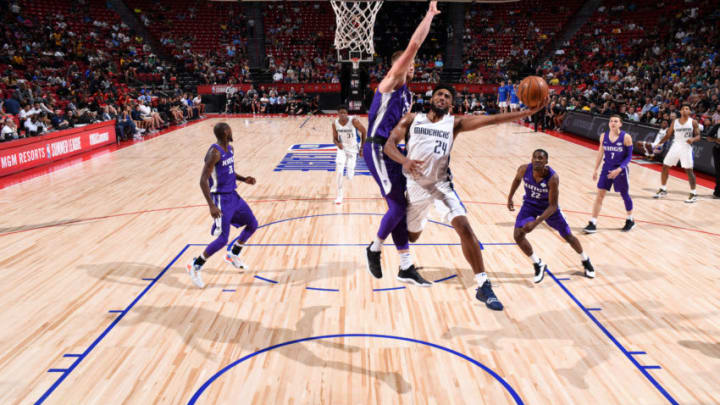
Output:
x,y
354,34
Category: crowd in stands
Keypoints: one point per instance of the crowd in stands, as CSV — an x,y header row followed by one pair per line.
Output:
x,y
206,39
505,39
644,73
68,64
73,62
271,101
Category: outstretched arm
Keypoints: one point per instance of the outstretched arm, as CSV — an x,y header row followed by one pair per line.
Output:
x,y
470,123
211,158
413,167
399,69
515,184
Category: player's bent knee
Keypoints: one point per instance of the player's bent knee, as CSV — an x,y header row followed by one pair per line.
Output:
x,y
252,225
518,234
414,236
462,227
223,238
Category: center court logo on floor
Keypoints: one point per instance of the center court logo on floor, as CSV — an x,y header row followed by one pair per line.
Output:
x,y
307,157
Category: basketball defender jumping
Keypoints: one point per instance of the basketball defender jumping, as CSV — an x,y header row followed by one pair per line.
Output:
x,y
345,138
430,138
686,132
540,203
217,183
616,149
392,100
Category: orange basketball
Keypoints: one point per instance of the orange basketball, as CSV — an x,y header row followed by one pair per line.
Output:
x,y
533,90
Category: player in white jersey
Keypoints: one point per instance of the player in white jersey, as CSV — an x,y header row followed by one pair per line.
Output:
x,y
687,132
345,130
429,139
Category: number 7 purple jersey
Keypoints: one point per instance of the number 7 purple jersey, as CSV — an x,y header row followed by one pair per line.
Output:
x,y
615,152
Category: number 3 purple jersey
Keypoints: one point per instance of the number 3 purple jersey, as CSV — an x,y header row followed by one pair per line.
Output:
x,y
223,175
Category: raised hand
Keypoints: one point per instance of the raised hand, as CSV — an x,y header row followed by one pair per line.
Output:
x,y
433,10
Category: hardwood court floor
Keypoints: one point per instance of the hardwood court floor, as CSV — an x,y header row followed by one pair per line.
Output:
x,y
114,234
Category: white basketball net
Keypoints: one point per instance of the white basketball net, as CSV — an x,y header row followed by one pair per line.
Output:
x,y
355,22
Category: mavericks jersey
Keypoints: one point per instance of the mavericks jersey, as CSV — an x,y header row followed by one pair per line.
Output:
x,y
386,111
223,175
347,135
537,193
431,142
683,132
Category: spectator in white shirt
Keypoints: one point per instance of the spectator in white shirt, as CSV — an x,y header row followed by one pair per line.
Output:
x,y
9,130
147,112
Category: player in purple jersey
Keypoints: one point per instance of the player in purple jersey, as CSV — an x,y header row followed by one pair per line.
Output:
x,y
392,100
217,183
540,203
616,148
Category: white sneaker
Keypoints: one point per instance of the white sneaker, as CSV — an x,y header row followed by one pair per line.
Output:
x,y
338,200
194,272
235,261
691,198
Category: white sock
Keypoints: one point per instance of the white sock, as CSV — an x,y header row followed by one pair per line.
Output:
x,y
593,220
692,191
339,175
481,278
534,258
583,256
405,260
629,218
663,188
376,245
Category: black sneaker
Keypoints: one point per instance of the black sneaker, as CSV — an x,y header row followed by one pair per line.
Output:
x,y
539,271
589,270
486,295
590,228
411,275
373,262
716,196
629,224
